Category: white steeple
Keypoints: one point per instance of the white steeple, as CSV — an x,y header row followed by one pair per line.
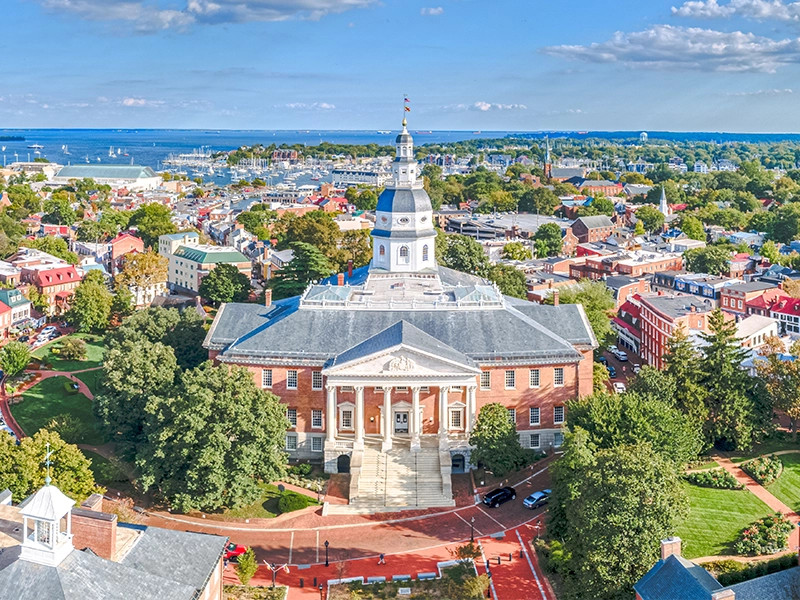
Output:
x,y
663,207
403,237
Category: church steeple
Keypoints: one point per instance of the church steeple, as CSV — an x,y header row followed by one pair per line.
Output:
x,y
663,207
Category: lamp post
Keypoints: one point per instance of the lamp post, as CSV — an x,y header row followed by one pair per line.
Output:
x,y
326,553
489,589
538,526
320,591
472,530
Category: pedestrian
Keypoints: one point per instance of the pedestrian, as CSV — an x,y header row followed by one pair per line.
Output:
x,y
381,560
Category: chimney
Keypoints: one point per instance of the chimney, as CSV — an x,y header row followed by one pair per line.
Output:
x,y
267,297
555,297
340,279
349,268
723,595
95,530
670,546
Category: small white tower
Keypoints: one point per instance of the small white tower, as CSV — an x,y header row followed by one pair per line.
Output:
x,y
48,544
403,237
643,137
663,207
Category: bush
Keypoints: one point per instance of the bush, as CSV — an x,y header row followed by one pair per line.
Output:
x,y
301,469
73,348
745,573
764,469
715,478
68,427
554,558
291,501
765,536
246,566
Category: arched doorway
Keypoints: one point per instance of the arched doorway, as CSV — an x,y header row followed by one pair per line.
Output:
x,y
458,463
343,464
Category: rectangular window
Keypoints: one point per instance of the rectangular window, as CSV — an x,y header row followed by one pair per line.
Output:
x,y
291,442
291,380
425,388
512,415
347,419
316,444
316,380
291,414
486,380
266,378
558,439
511,380
558,376
378,388
347,388
534,378
316,419
455,388
455,419
535,440
533,416
558,415
401,389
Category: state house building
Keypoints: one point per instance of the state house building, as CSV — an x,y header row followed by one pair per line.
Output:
x,y
384,371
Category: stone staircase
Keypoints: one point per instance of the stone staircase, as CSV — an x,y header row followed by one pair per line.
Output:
x,y
397,480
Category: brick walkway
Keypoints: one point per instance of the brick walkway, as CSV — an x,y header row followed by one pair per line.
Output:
x,y
761,492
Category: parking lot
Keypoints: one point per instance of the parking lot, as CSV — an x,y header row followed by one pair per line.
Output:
x,y
624,369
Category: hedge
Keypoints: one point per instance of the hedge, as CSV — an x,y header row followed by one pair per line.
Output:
x,y
714,478
730,572
291,501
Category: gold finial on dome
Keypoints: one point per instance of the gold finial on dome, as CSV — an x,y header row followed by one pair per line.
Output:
x,y
405,122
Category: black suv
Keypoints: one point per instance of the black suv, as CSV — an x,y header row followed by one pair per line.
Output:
x,y
496,497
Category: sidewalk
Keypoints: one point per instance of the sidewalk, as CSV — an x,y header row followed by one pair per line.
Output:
x,y
762,494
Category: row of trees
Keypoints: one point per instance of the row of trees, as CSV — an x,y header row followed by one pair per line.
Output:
x,y
201,436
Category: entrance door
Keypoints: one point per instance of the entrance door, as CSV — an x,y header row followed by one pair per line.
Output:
x,y
401,422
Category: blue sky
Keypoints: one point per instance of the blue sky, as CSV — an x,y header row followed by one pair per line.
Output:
x,y
703,65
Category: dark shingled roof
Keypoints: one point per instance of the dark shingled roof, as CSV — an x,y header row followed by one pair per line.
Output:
x,y
596,221
676,579
404,200
401,333
784,585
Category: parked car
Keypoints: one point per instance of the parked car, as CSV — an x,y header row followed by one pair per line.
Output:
x,y
622,356
497,497
602,360
619,387
612,372
613,350
49,329
637,368
234,550
23,338
537,499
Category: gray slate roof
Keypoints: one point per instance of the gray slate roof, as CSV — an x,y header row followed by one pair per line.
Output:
x,y
784,585
596,221
676,579
401,333
106,172
404,200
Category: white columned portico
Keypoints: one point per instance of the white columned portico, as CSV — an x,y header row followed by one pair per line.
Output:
x,y
443,411
415,420
359,424
330,426
387,419
471,407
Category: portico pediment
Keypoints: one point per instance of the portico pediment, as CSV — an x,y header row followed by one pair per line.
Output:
x,y
401,363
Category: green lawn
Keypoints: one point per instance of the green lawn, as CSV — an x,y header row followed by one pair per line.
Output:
x,y
779,441
265,507
94,354
787,487
91,379
53,397
716,517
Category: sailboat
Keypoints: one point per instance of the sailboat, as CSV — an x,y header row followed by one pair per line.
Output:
x,y
87,159
65,150
111,153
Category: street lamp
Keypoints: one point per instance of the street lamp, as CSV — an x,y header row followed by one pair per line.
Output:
x,y
326,553
538,526
320,591
472,530
489,589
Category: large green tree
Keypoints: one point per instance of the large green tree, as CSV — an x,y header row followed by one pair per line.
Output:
x,y
510,280
516,251
219,437
693,228
461,253
54,245
308,264
225,284
548,240
683,364
151,221
14,357
597,301
541,201
90,307
495,441
714,260
781,375
651,217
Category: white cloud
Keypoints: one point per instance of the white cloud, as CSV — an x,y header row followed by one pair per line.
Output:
x,y
308,106
431,12
567,111
687,48
760,10
487,106
148,16
773,92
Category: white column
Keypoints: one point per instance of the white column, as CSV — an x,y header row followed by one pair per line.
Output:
x,y
443,411
331,416
387,419
471,407
415,420
359,441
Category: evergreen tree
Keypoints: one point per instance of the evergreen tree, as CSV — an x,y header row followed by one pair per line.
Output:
x,y
246,566
308,264
683,365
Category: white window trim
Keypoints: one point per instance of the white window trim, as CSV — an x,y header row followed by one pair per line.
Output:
x,y
314,375
538,438
512,415
294,425
321,419
348,406
538,378
288,437
538,421
513,374
263,375
563,415
563,377
296,379
317,439
489,377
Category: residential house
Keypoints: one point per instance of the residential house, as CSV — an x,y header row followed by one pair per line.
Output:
x,y
627,325
5,321
58,284
593,229
19,304
190,261
675,578
754,330
593,187
761,305
123,244
702,284
624,287
735,298
786,310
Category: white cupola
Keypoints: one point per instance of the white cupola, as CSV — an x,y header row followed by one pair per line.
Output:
x,y
47,526
403,237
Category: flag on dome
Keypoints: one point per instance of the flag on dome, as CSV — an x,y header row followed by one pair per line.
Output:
x,y
407,109
405,99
